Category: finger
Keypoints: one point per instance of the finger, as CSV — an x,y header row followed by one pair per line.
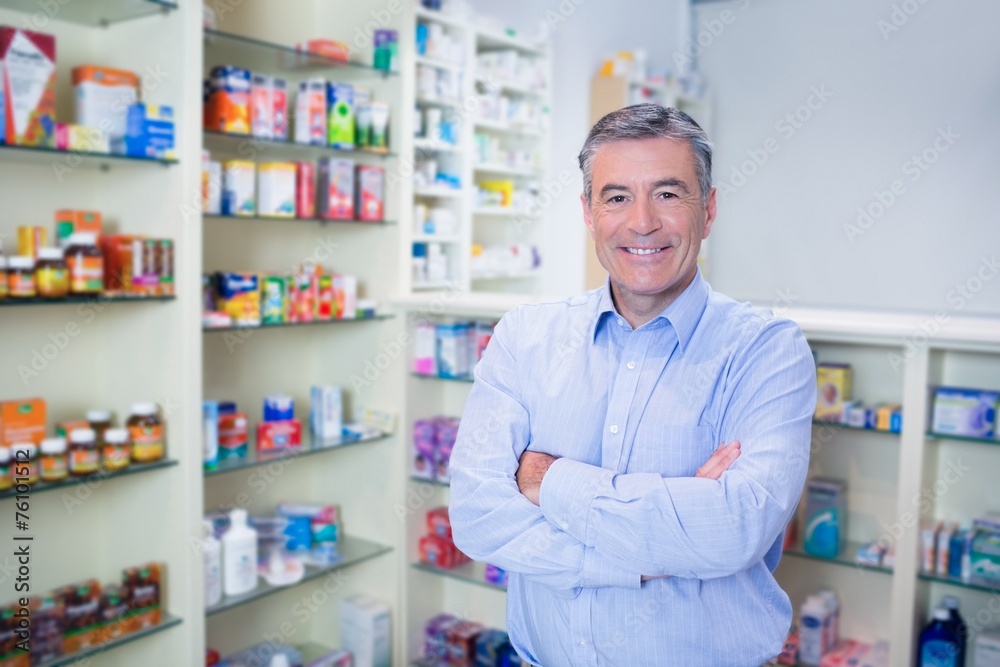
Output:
x,y
719,456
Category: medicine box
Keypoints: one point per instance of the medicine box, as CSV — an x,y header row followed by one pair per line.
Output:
x,y
425,349
238,193
69,222
276,189
310,112
345,294
82,620
370,193
424,448
278,435
261,106
238,295
305,190
985,559
149,132
102,96
326,412
889,417
22,421
365,630
452,350
143,586
279,108
438,522
228,105
987,649
833,389
340,125
326,303
29,82
273,299
966,412
336,189
826,517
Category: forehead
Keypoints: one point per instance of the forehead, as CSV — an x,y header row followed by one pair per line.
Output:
x,y
640,160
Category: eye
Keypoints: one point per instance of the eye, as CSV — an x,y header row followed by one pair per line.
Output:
x,y
617,199
667,195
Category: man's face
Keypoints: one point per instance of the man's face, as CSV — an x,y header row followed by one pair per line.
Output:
x,y
646,217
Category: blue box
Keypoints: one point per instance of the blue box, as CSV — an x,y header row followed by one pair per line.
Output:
x,y
149,131
965,412
826,517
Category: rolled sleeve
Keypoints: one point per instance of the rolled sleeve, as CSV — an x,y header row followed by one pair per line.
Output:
x,y
568,491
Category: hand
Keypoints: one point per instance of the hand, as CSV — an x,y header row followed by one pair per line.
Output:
x,y
530,471
719,461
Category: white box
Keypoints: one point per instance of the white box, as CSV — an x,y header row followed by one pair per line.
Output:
x,y
213,206
239,181
326,412
987,650
366,631
276,189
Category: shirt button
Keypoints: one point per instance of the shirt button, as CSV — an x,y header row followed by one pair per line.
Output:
x,y
630,365
620,322
614,429
564,525
583,643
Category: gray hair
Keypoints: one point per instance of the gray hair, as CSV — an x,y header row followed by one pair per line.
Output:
x,y
649,121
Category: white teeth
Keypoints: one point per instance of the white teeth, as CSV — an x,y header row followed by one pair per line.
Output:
x,y
643,251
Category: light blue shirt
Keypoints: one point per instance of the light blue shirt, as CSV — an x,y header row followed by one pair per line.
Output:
x,y
633,414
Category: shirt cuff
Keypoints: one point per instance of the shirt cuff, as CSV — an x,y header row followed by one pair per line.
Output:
x,y
568,490
598,571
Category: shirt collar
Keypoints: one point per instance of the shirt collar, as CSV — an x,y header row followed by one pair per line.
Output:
x,y
683,314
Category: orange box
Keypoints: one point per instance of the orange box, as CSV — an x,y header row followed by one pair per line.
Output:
x,y
63,429
22,421
144,588
82,606
326,48
122,261
70,222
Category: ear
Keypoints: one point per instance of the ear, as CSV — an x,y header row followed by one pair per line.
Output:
x,y
709,213
588,217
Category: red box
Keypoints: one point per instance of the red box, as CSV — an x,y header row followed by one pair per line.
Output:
x,y
324,297
438,523
279,435
437,551
305,190
461,639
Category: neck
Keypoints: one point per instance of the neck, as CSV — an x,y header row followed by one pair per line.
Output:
x,y
637,309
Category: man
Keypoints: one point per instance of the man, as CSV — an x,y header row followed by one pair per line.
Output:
x,y
586,462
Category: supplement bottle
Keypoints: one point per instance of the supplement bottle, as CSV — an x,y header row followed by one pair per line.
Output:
x,y
84,458
21,278
100,421
3,278
146,430
117,451
55,467
24,463
86,264
165,267
51,274
5,477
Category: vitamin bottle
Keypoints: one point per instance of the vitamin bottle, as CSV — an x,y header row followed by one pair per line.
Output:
x,y
84,458
100,421
51,274
85,262
146,431
24,463
21,278
117,452
55,467
5,477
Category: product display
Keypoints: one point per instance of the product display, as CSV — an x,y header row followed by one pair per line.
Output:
x,y
826,517
433,441
969,413
450,350
451,641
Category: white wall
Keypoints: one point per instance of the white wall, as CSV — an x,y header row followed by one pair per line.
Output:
x,y
783,231
591,29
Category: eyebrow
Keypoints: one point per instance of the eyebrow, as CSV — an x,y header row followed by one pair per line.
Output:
x,y
662,183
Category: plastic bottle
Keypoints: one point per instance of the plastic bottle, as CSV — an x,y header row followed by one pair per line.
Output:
x,y
951,603
812,630
213,565
939,646
239,555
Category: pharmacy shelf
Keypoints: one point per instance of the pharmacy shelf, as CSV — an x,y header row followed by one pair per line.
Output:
x,y
439,193
511,88
845,559
435,284
322,221
432,482
505,170
352,550
847,427
254,459
439,64
245,143
97,299
962,438
167,621
472,573
438,17
65,162
443,102
94,480
93,12
489,40
498,211
468,380
429,145
268,57
973,584
280,325
435,238
507,128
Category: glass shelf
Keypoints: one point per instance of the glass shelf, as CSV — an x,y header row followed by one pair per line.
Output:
x,y
260,56
99,298
167,621
962,438
67,160
243,142
353,550
432,482
93,12
100,478
848,427
974,584
846,558
467,380
322,221
472,573
315,446
342,320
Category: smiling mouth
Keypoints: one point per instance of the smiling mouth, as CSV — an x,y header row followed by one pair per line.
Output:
x,y
644,251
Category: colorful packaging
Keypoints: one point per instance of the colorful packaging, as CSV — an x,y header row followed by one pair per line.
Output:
x,y
102,96
984,559
826,517
149,132
834,388
336,189
970,413
370,195
82,608
340,124
64,428
261,106
143,587
386,56
362,123
279,407
447,434
929,531
326,48
310,112
22,421
325,301
889,416
490,646
345,294
462,642
233,435
436,637
238,295
30,238
274,299
425,449
29,73
123,263
11,634
69,222
326,412
47,624
238,194
438,551
81,139
943,555
228,108
276,189
379,126
839,655
790,651
438,522
305,190
279,435
115,610
279,108
425,349
452,353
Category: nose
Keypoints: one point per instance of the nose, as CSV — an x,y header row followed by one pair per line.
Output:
x,y
643,220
